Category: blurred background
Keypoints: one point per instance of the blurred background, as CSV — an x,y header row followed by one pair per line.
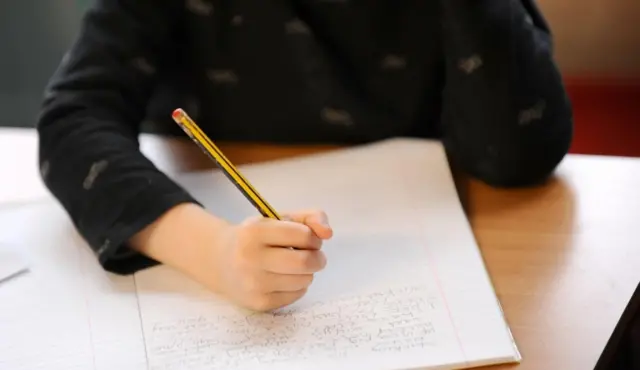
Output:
x,y
597,45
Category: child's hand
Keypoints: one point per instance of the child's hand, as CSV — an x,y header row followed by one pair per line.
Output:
x,y
257,267
250,264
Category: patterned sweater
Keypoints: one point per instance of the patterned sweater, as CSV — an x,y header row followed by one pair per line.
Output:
x,y
478,74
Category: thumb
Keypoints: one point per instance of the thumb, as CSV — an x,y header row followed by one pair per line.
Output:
x,y
316,220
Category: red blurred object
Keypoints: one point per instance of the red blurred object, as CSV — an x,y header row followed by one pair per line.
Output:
x,y
607,115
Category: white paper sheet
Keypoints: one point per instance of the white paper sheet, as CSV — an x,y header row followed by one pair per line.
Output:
x,y
12,263
359,313
66,313
405,286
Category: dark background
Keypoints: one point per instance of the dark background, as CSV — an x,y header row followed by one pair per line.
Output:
x,y
598,51
32,43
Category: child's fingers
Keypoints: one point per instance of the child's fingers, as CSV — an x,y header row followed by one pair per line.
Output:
x,y
281,234
292,262
317,220
277,300
285,283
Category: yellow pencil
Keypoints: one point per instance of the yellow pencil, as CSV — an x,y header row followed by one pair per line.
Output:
x,y
207,146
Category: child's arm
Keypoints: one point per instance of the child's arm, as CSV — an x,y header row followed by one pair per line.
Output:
x,y
88,126
131,214
507,119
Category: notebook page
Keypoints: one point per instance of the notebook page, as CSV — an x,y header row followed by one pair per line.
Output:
x,y
376,306
65,313
400,188
403,186
12,263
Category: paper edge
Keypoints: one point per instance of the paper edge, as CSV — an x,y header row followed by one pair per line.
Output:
x,y
516,354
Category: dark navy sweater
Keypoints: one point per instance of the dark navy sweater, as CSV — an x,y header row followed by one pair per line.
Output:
x,y
478,74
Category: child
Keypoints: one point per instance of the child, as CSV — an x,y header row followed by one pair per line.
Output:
x,y
479,74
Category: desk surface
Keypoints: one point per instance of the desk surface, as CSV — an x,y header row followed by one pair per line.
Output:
x,y
564,258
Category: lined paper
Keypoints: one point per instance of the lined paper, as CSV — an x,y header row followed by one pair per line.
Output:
x,y
404,287
376,303
12,263
66,313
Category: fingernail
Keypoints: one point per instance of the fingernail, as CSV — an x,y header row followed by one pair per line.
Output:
x,y
325,224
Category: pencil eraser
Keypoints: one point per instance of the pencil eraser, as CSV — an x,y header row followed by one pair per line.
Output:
x,y
177,113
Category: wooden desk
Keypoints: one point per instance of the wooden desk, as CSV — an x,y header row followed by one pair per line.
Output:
x,y
564,257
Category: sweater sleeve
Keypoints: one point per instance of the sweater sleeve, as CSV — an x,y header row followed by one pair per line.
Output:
x,y
89,123
507,119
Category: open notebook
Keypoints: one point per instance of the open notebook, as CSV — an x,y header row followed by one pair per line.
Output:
x,y
405,286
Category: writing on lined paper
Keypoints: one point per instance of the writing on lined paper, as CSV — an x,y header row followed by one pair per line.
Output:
x,y
393,320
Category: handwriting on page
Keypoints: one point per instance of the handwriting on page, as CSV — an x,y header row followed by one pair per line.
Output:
x,y
393,320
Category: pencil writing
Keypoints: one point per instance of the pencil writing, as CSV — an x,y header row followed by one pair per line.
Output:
x,y
392,320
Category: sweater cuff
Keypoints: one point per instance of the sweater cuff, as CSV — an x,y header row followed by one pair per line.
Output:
x,y
114,254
